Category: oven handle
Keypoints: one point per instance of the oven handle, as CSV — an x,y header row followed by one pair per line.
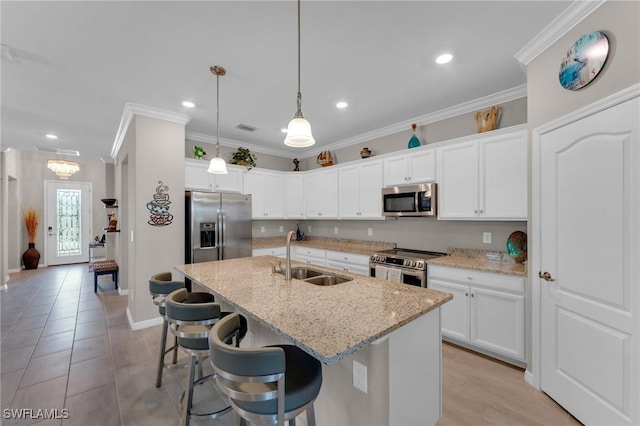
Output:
x,y
411,272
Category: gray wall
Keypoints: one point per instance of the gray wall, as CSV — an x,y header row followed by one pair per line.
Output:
x,y
265,161
547,100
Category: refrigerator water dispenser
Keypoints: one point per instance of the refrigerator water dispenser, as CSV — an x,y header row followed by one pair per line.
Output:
x,y
207,234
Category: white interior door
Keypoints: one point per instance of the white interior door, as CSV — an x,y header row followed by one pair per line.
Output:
x,y
68,222
590,237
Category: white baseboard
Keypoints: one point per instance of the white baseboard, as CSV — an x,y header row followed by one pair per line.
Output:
x,y
13,271
122,292
3,287
528,377
142,324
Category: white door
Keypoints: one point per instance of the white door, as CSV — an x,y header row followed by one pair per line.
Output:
x,y
589,253
68,222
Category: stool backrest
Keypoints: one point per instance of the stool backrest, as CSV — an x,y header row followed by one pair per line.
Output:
x,y
191,307
162,283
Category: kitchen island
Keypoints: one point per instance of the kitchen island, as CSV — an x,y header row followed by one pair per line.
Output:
x,y
390,328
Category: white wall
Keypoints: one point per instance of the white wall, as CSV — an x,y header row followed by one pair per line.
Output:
x,y
152,151
547,100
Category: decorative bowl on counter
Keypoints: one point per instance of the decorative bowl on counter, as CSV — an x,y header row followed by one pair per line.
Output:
x,y
109,202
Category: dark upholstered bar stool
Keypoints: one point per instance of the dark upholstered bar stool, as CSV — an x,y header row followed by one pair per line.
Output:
x,y
272,384
160,286
191,316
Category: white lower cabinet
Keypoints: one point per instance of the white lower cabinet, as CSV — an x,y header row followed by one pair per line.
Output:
x,y
271,251
350,262
486,313
312,256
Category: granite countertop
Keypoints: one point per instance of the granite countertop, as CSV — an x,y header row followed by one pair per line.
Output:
x,y
328,322
487,261
336,244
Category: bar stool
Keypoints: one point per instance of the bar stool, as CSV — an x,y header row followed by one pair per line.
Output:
x,y
191,316
160,286
271,384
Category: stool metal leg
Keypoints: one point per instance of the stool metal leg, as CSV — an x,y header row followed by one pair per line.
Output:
x,y
175,350
311,415
189,402
163,348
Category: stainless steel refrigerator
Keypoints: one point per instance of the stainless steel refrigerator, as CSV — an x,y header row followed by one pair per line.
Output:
x,y
217,226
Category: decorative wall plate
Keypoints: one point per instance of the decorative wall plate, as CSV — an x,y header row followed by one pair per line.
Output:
x,y
584,60
517,246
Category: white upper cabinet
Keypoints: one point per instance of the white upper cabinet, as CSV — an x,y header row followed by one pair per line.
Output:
x,y
321,194
267,193
359,190
484,179
197,177
294,192
413,167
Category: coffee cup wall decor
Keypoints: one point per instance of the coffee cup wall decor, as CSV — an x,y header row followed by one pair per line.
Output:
x,y
159,207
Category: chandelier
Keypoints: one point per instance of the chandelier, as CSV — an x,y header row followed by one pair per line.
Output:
x,y
63,168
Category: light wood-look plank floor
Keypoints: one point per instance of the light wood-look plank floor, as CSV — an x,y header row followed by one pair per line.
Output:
x,y
478,391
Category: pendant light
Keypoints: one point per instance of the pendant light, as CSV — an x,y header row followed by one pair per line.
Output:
x,y
217,164
299,130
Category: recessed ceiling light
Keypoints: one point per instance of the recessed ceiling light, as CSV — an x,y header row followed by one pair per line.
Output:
x,y
342,104
51,136
284,130
444,58
188,104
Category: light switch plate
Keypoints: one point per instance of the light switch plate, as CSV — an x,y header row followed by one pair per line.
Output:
x,y
335,229
262,229
370,232
281,228
309,229
486,237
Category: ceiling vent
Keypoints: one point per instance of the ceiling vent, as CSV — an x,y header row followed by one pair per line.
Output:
x,y
58,150
245,127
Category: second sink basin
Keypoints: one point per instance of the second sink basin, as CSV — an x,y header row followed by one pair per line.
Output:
x,y
328,280
304,273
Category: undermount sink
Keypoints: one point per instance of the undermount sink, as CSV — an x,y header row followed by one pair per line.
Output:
x,y
328,280
316,277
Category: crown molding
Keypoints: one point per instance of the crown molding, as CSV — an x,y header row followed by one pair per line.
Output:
x,y
575,13
230,143
517,92
131,109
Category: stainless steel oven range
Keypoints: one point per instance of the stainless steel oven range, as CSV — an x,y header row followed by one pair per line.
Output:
x,y
404,265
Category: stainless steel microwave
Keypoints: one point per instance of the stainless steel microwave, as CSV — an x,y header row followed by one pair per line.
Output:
x,y
410,200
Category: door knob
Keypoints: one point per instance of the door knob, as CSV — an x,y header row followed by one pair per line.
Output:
x,y
545,276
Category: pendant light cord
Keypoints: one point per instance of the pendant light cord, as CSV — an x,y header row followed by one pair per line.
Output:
x,y
299,97
217,115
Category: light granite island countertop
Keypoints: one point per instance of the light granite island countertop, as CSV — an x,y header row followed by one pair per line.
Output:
x,y
393,329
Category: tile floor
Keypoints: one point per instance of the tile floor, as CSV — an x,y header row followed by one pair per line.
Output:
x,y
65,346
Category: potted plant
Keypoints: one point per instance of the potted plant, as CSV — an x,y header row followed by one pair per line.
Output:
x,y
31,257
243,157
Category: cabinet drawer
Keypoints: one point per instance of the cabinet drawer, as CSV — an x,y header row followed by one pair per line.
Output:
x,y
274,251
310,252
477,278
352,258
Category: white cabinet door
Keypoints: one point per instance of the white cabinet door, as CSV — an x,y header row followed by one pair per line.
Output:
x,y
321,194
497,322
349,191
370,190
274,195
294,201
503,177
231,182
350,262
458,181
454,315
254,185
196,175
422,165
395,171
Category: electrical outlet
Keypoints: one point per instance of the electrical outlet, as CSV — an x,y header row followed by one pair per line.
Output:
x,y
281,228
309,229
370,232
262,229
486,237
360,376
335,229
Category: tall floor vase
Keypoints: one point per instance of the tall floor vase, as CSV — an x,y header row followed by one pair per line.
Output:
x,y
31,257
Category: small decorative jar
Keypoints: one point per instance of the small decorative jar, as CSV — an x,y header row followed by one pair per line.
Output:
x,y
365,153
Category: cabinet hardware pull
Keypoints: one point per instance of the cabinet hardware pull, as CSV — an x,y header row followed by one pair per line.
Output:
x,y
475,211
469,278
545,276
466,294
472,295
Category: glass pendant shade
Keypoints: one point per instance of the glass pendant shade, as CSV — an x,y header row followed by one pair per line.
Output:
x,y
218,166
299,134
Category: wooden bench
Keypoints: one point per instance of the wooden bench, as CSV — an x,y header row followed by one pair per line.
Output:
x,y
103,267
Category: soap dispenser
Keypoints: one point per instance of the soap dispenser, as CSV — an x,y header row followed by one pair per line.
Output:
x,y
298,236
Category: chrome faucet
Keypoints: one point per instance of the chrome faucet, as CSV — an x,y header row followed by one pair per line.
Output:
x,y
287,269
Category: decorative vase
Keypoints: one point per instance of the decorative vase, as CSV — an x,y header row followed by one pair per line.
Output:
x,y
414,142
365,153
31,257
